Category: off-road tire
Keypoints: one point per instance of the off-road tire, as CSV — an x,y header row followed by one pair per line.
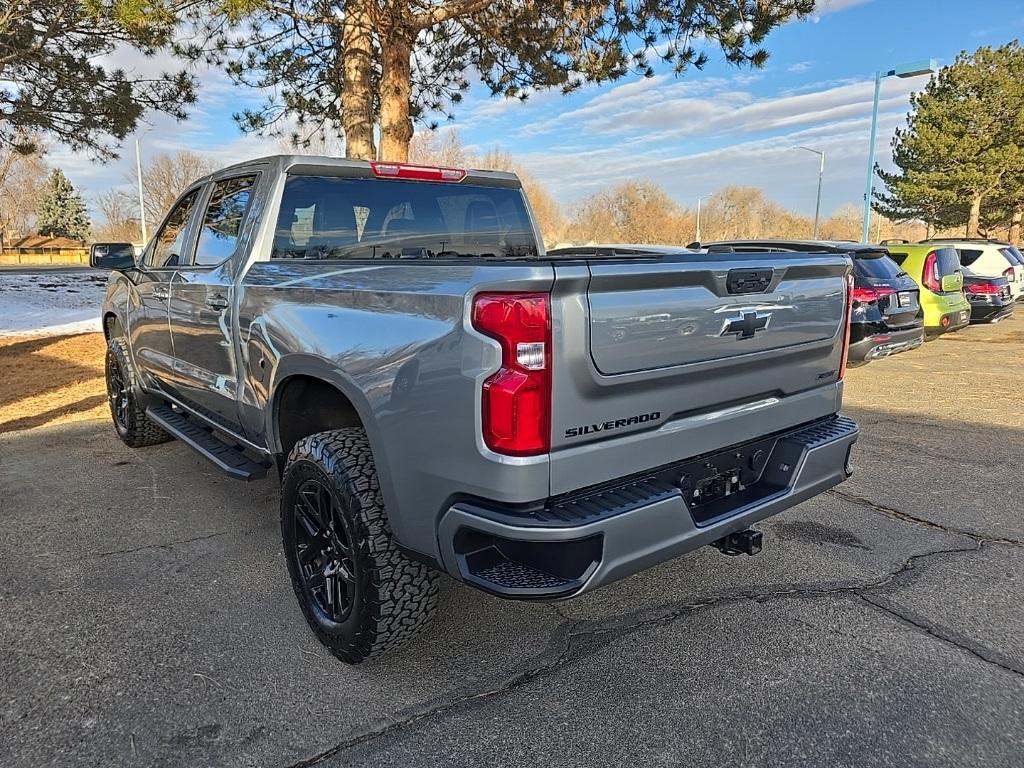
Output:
x,y
393,597
133,426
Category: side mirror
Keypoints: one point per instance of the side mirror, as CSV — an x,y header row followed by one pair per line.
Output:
x,y
953,283
112,256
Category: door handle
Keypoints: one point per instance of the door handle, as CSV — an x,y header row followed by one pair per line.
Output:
x,y
159,293
217,302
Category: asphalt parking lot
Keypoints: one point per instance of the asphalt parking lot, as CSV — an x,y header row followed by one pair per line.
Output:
x,y
146,617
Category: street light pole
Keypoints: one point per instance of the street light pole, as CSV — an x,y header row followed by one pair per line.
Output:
x,y
871,160
926,67
697,238
821,174
142,199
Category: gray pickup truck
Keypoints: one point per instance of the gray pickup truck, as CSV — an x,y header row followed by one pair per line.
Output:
x,y
440,395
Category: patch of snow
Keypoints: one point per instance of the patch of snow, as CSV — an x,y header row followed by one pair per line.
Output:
x,y
51,303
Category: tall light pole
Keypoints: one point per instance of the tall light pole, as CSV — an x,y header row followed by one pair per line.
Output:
x,y
697,238
925,67
821,173
142,199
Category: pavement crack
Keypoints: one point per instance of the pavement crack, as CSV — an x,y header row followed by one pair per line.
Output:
x,y
554,660
906,517
942,634
575,641
165,544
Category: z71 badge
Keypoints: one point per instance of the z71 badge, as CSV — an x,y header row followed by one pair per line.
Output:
x,y
589,429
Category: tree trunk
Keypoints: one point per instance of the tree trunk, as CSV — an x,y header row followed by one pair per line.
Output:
x,y
357,82
1014,236
395,95
974,221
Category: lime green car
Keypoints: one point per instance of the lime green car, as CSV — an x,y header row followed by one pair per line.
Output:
x,y
936,269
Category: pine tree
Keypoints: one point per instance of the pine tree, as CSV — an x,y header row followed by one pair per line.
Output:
x,y
963,134
56,84
335,66
61,209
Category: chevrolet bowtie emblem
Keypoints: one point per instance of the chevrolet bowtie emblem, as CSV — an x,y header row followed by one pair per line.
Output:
x,y
746,325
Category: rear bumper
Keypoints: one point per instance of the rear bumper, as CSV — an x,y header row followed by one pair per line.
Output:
x,y
882,345
985,312
951,321
578,542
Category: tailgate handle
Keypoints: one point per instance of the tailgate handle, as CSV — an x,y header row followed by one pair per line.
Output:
x,y
749,280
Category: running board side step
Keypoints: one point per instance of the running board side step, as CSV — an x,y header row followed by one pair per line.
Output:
x,y
229,459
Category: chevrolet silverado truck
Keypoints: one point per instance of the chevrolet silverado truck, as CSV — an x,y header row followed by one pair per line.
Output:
x,y
438,394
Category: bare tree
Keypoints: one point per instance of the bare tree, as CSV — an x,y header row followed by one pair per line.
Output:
x,y
21,183
166,176
631,212
119,217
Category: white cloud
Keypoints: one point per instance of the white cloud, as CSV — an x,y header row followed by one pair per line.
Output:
x,y
825,7
800,66
772,163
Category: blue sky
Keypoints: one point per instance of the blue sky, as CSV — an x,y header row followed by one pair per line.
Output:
x,y
693,134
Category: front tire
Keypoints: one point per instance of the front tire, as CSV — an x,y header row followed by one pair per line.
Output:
x,y
360,594
130,420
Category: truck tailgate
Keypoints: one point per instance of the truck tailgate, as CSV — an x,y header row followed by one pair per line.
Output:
x,y
649,316
661,359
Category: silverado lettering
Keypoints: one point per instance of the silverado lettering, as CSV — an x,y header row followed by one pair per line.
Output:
x,y
589,429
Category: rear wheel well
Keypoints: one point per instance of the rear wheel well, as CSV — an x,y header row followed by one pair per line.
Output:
x,y
306,405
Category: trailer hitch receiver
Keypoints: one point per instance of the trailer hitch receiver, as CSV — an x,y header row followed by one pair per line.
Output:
x,y
746,542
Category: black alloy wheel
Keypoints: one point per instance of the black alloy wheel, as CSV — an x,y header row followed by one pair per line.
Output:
x,y
118,394
323,550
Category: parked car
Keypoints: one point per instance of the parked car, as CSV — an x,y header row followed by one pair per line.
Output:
x,y
936,269
887,317
441,395
989,297
988,258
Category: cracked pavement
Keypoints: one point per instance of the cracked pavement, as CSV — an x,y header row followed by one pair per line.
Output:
x,y
146,617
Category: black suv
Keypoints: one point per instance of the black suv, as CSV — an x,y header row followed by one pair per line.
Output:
x,y
887,317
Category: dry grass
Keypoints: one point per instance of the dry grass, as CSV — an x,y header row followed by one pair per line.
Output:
x,y
51,380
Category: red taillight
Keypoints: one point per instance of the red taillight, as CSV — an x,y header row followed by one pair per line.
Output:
x,y
983,289
846,329
517,398
863,295
930,277
417,172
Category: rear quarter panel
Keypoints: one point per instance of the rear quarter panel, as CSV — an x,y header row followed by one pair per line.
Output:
x,y
395,338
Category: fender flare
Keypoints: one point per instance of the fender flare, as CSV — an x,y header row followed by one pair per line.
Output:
x,y
316,367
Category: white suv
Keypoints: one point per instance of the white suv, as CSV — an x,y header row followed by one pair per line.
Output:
x,y
990,258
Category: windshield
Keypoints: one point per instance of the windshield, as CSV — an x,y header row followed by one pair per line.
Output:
x,y
325,217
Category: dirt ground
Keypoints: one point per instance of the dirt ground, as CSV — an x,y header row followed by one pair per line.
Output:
x,y
51,380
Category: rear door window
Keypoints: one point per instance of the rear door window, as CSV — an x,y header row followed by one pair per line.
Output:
x,y
324,217
899,258
222,223
968,255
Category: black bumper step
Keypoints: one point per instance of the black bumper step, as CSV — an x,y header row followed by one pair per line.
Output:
x,y
229,459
